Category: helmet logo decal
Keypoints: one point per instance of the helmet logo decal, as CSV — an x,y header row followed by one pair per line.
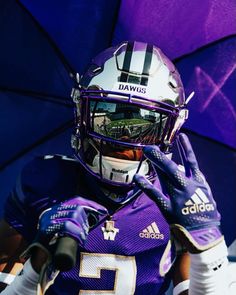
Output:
x,y
131,88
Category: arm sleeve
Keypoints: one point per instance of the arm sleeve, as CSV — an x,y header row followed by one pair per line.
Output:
x,y
43,182
209,272
21,208
15,211
24,283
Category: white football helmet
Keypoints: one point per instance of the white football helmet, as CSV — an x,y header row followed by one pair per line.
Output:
x,y
130,96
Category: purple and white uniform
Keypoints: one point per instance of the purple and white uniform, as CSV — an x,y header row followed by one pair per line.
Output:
x,y
128,253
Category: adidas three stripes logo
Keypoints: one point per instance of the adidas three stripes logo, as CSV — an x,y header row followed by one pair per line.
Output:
x,y
151,232
197,203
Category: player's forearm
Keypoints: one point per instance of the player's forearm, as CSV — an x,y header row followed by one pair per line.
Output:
x,y
209,272
25,283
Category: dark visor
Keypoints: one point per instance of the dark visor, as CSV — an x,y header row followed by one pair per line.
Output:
x,y
127,122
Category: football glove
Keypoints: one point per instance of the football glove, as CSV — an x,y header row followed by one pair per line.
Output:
x,y
184,198
72,218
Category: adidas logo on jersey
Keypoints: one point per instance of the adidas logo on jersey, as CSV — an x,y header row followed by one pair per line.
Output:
x,y
197,203
151,232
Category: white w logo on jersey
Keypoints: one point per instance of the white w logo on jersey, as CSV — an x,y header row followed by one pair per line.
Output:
x,y
110,235
109,231
197,203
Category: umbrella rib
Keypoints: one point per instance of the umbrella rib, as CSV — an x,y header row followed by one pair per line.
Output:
x,y
61,56
188,131
40,96
201,48
38,142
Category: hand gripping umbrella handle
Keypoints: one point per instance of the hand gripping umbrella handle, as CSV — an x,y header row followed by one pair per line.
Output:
x,y
66,253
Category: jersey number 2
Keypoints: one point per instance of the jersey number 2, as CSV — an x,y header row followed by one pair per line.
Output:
x,y
124,267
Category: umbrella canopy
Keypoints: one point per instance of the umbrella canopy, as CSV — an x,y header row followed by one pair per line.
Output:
x,y
45,43
37,70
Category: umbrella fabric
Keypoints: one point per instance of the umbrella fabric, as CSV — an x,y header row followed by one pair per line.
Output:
x,y
35,85
44,43
37,70
211,73
178,27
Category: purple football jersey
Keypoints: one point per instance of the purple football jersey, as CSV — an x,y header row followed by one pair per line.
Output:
x,y
127,253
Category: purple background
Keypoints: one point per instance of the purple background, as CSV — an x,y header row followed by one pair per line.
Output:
x,y
178,27
43,44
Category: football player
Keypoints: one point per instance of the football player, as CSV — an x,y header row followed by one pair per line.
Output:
x,y
136,216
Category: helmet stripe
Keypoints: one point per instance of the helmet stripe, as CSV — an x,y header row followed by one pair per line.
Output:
x,y
127,61
147,64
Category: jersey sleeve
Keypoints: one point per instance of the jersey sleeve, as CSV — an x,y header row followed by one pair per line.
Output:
x,y
42,183
18,210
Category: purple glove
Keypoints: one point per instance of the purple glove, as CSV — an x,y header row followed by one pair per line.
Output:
x,y
185,198
71,218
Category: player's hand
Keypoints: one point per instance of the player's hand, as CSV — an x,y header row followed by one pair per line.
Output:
x,y
71,218
185,198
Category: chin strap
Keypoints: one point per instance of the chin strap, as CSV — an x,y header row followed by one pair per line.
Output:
x,y
118,170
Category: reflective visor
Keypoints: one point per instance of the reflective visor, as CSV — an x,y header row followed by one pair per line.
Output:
x,y
125,122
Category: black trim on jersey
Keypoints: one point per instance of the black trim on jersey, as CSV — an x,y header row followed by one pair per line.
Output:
x,y
147,64
127,61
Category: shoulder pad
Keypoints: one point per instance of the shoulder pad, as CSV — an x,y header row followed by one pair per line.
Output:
x,y
49,176
61,157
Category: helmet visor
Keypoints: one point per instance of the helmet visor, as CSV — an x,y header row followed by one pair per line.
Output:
x,y
127,122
